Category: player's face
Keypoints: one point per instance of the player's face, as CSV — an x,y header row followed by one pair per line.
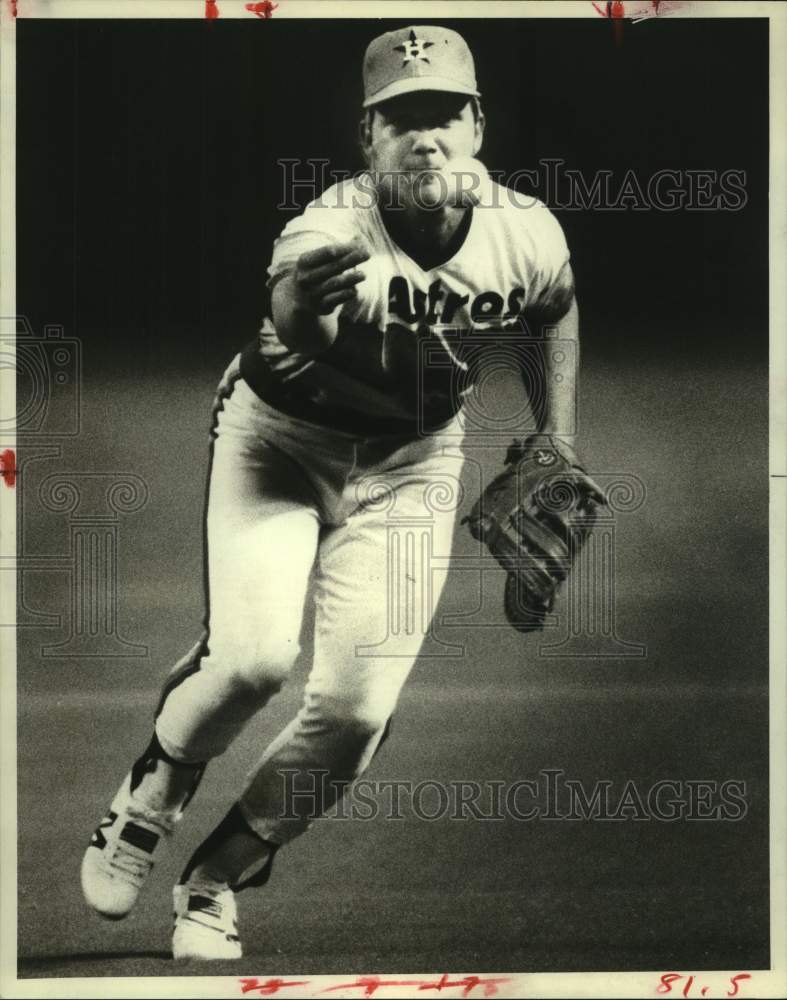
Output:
x,y
415,133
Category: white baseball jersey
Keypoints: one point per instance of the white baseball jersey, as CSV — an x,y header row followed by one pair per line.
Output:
x,y
509,260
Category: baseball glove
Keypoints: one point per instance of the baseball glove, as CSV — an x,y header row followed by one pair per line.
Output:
x,y
534,518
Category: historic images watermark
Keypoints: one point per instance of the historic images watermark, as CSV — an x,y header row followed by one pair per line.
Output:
x,y
90,505
550,795
551,181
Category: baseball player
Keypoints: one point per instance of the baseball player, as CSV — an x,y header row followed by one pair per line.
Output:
x,y
321,426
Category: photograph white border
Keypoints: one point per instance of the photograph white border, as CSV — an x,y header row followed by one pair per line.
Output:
x,y
771,983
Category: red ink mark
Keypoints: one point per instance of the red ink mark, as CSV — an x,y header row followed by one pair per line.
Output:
x,y
270,986
468,984
370,984
8,467
636,10
211,10
12,7
264,8
734,982
615,12
666,981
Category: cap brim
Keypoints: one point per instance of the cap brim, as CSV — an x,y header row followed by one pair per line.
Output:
x,y
415,83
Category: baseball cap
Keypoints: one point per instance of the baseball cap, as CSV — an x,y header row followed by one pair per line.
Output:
x,y
417,58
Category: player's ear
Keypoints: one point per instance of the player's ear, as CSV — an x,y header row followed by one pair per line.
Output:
x,y
365,136
480,125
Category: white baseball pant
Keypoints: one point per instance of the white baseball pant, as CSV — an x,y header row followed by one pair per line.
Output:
x,y
287,498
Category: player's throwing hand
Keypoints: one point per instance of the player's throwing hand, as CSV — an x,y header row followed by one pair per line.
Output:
x,y
327,277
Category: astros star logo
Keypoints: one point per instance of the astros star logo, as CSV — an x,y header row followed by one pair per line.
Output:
x,y
413,49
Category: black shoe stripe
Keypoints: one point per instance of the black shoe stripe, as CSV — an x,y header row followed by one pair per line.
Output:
x,y
98,839
138,836
203,904
203,923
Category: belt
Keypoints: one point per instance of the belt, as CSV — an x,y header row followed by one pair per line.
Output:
x,y
291,400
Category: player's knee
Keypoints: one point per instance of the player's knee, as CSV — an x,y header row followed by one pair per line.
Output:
x,y
363,717
268,667
258,670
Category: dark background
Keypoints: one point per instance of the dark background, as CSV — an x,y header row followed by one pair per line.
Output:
x,y
147,191
148,180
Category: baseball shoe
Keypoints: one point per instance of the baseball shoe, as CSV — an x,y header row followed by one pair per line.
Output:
x,y
120,855
206,923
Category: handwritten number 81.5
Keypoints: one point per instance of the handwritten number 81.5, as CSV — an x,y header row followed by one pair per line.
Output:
x,y
669,978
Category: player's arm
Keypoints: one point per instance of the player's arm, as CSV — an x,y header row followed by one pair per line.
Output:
x,y
307,299
560,367
535,527
555,322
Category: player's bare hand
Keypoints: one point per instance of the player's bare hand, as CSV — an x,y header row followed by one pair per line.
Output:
x,y
325,278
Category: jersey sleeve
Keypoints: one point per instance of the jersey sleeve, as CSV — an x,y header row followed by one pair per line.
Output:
x,y
553,284
329,219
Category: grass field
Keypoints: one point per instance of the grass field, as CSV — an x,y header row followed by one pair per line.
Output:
x,y
411,895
